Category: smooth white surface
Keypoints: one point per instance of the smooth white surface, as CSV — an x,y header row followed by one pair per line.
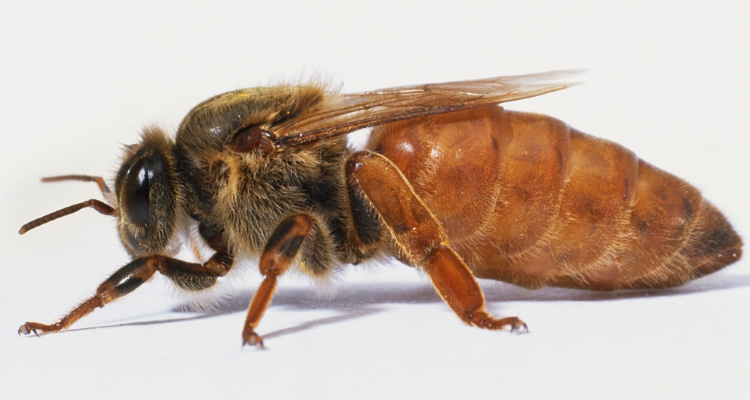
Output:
x,y
668,80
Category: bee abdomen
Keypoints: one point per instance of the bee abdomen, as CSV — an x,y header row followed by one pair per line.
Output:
x,y
622,223
587,220
525,199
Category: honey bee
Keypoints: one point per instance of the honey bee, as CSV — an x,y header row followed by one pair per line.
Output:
x,y
449,183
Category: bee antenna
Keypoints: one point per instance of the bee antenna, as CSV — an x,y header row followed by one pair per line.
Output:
x,y
97,205
83,178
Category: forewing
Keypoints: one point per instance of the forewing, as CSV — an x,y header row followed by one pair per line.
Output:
x,y
348,112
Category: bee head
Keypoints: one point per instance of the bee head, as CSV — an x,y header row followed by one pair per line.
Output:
x,y
145,199
146,192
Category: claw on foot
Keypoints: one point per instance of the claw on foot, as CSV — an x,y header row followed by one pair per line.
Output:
x,y
516,327
37,329
486,321
252,339
26,330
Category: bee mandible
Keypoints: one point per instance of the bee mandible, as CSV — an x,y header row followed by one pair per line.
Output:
x,y
449,183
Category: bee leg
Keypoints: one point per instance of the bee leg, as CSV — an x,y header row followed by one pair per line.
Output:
x,y
421,239
189,276
281,249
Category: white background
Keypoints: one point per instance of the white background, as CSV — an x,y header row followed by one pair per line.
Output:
x,y
669,80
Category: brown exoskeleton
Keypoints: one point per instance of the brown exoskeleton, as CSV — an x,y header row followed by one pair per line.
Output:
x,y
449,183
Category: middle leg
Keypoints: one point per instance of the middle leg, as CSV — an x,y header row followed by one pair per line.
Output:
x,y
285,243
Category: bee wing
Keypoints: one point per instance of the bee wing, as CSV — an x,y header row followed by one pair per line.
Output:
x,y
348,112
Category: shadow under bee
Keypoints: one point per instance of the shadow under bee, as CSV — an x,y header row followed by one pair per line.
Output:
x,y
361,300
365,296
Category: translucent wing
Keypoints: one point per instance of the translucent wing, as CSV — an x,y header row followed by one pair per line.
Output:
x,y
345,113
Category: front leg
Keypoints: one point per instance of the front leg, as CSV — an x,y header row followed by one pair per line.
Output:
x,y
189,276
420,237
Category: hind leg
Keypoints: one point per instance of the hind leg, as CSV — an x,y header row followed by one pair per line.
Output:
x,y
421,238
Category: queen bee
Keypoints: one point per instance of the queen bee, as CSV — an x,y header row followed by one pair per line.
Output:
x,y
449,183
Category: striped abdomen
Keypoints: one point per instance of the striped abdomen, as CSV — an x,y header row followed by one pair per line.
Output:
x,y
528,200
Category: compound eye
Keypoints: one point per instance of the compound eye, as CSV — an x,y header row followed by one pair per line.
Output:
x,y
135,192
